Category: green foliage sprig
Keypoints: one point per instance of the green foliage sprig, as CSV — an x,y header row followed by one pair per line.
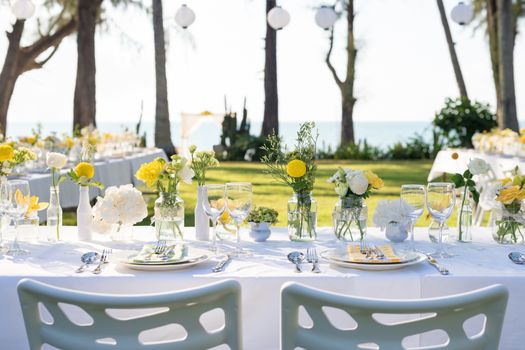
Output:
x,y
262,214
201,162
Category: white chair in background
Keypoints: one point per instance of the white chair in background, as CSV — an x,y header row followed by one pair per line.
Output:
x,y
108,326
446,314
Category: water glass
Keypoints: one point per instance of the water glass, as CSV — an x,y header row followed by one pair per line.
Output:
x,y
440,203
238,204
414,196
18,194
214,205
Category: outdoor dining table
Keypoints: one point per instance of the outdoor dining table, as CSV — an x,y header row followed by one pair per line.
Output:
x,y
261,274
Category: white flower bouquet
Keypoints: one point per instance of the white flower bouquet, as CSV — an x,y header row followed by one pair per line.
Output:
x,y
393,216
123,205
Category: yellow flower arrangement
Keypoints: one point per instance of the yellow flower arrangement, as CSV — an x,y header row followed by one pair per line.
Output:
x,y
150,172
375,181
296,168
510,194
83,175
6,152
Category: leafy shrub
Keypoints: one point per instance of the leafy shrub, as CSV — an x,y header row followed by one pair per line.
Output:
x,y
461,118
359,151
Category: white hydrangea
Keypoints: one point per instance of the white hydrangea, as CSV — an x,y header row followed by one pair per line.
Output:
x,y
388,211
123,205
478,166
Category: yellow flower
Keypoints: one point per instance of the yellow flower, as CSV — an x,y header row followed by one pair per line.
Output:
x,y
509,194
31,140
149,172
31,202
93,140
296,168
69,142
6,153
85,169
505,180
522,139
439,202
374,180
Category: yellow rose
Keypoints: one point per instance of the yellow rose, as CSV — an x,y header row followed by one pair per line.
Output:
x,y
31,140
510,194
296,168
374,180
85,169
69,142
505,180
6,153
149,172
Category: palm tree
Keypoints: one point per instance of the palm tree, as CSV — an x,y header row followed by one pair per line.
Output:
x,y
21,59
452,50
346,86
84,106
271,99
162,114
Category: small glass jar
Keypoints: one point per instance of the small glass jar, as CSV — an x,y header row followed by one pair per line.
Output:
x,y
508,227
302,217
349,218
169,217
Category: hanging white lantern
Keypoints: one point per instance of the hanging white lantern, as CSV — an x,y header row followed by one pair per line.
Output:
x,y
23,9
462,13
325,17
184,16
278,18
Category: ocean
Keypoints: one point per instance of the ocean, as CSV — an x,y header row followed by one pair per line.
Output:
x,y
207,134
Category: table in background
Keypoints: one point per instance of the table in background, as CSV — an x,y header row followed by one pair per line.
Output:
x,y
261,276
110,172
500,164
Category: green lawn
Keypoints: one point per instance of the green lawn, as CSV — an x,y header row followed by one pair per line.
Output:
x,y
272,194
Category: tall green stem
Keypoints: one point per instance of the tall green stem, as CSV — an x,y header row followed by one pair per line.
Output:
x,y
461,214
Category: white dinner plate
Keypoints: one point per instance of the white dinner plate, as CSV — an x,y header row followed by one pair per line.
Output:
x,y
326,254
195,256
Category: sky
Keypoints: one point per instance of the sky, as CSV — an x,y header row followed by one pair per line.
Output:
x,y
403,71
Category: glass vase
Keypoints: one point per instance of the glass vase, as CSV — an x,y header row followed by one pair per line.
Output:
x,y
464,218
349,218
508,224
302,217
54,215
169,217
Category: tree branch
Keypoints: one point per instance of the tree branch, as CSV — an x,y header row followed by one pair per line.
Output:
x,y
327,60
44,61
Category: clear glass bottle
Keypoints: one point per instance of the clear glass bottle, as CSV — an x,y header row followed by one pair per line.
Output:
x,y
54,215
464,218
169,217
349,219
302,217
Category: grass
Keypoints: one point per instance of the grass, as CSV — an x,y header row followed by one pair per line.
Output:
x,y
275,195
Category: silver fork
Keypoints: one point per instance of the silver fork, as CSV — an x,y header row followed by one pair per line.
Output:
x,y
378,252
103,260
311,256
158,249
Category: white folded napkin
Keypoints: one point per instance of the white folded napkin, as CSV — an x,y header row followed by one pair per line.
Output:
x,y
174,253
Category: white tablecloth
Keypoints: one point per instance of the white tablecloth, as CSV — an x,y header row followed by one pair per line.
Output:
x,y
111,172
500,164
262,275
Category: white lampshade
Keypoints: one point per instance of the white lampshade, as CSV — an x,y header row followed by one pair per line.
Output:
x,y
325,17
184,16
23,9
278,18
462,13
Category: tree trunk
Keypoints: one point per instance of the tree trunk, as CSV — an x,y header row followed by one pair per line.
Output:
x,y
347,89
9,73
84,107
492,30
271,100
506,65
452,50
162,114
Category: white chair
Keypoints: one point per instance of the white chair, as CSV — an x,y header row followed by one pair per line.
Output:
x,y
445,314
108,329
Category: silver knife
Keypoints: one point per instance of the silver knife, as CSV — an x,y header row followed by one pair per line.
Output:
x,y
220,265
440,268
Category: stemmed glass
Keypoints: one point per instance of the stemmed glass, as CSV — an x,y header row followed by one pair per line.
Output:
x,y
4,204
214,205
414,196
440,203
238,204
18,203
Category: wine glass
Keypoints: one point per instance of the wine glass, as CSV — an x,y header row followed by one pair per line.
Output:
x,y
414,196
238,204
440,203
214,205
16,209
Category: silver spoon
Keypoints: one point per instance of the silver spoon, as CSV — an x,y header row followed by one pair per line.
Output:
x,y
517,258
296,258
87,259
